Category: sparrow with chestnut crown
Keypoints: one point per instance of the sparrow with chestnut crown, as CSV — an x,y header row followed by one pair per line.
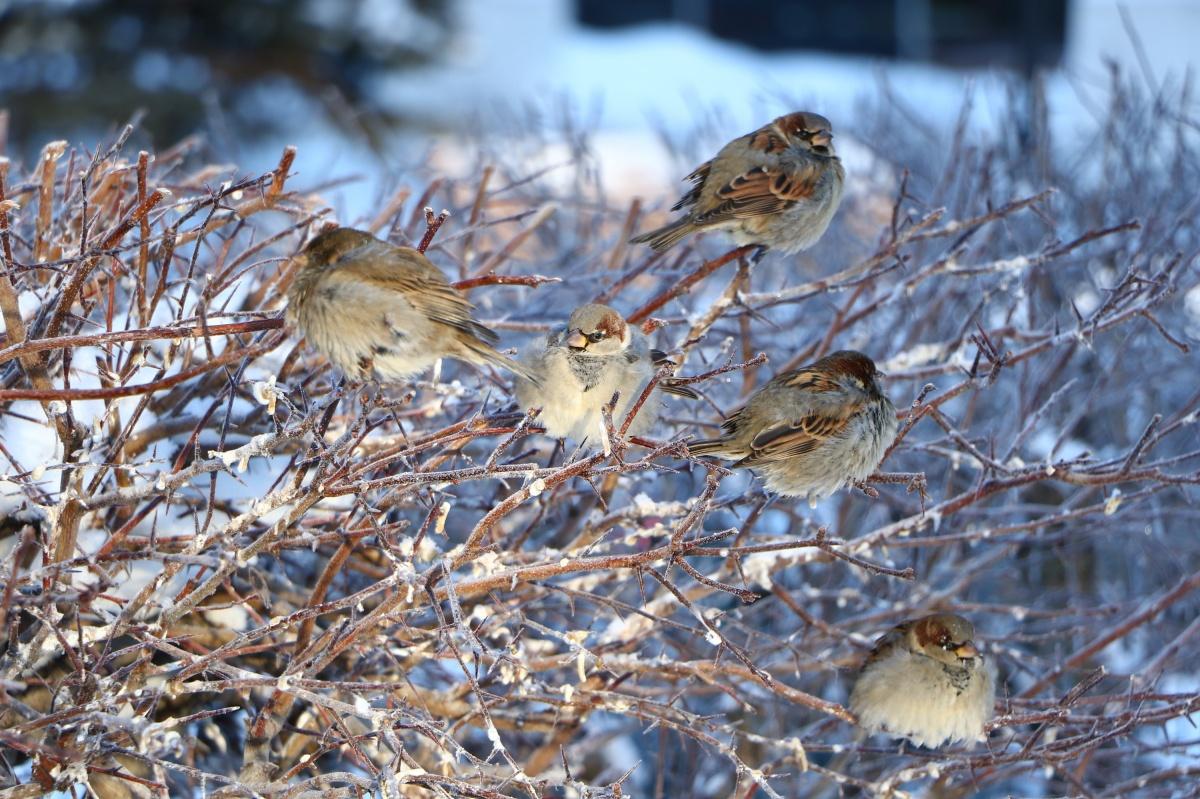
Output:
x,y
812,430
579,368
777,188
925,680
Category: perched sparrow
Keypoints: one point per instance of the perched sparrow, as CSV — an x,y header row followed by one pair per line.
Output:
x,y
579,368
373,307
810,431
777,187
926,681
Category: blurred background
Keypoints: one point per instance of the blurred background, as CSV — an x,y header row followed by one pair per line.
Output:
x,y
355,81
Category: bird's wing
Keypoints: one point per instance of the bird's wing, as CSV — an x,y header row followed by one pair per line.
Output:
x,y
422,284
668,385
886,644
698,177
761,190
811,426
798,437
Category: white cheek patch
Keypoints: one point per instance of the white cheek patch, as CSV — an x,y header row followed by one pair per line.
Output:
x,y
911,696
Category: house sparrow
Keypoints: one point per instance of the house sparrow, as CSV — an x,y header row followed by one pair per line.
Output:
x,y
809,431
926,681
374,308
777,187
579,368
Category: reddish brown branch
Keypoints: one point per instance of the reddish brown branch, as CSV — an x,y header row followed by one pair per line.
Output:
x,y
685,284
505,280
432,225
114,392
142,334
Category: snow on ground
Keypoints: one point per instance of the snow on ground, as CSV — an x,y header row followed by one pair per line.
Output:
x,y
671,74
631,86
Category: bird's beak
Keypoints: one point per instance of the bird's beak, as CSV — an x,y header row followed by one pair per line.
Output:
x,y
576,340
822,138
967,651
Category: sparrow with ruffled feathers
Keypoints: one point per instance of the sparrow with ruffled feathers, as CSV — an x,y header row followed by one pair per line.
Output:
x,y
777,187
925,680
809,431
374,308
580,367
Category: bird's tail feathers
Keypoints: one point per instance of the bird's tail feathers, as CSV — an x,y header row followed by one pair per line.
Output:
x,y
482,332
482,352
667,236
715,447
668,387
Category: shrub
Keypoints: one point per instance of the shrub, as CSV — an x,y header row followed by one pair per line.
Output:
x,y
229,573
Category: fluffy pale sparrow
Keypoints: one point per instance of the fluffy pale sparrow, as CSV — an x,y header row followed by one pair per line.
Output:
x,y
578,369
777,187
374,308
926,681
809,431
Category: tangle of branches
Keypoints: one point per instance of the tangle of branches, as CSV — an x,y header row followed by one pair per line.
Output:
x,y
227,573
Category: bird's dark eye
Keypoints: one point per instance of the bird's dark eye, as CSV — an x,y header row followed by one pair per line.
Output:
x,y
594,337
948,645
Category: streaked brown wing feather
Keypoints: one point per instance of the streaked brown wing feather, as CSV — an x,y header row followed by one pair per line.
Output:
x,y
763,190
801,436
668,386
768,139
886,644
422,283
732,422
698,177
811,380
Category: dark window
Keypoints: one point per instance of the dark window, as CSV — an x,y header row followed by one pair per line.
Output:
x,y
1016,33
